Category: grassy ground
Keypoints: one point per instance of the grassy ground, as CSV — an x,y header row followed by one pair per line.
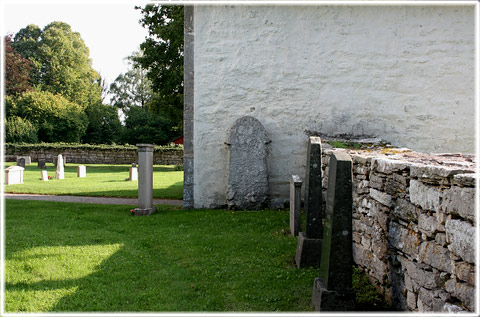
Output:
x,y
84,257
102,180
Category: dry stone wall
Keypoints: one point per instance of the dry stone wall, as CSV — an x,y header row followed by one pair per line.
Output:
x,y
414,227
94,155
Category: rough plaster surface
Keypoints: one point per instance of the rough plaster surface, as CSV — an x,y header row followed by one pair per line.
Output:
x,y
403,74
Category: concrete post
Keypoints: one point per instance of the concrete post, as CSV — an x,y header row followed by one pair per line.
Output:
x,y
145,180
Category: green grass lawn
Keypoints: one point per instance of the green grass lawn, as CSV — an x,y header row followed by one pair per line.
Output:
x,y
102,180
86,257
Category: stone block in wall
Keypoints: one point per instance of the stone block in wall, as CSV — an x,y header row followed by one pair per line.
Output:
x,y
361,187
467,179
377,181
381,197
388,166
411,300
404,239
460,201
465,272
462,291
461,236
436,256
427,301
427,197
434,173
422,276
441,239
405,210
429,225
380,213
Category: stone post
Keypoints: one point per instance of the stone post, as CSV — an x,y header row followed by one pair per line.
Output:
x,y
145,180
295,204
309,247
60,174
333,290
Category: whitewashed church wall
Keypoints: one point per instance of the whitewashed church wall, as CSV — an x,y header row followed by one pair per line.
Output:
x,y
402,74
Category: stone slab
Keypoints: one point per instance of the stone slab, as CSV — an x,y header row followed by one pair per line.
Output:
x,y
44,175
329,300
295,204
133,174
81,171
41,164
60,173
21,162
27,159
14,175
247,185
313,189
309,252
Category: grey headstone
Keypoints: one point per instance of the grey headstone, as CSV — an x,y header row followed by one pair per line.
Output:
x,y
60,174
134,165
21,162
295,204
333,291
313,189
41,164
28,159
247,165
145,180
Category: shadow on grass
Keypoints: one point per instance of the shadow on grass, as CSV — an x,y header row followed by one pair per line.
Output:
x,y
173,191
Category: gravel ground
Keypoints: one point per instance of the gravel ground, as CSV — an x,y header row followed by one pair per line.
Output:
x,y
90,200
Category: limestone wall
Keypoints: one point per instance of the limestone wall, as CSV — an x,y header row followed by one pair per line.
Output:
x,y
94,155
414,227
404,74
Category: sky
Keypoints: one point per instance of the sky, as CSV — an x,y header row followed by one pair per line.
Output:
x,y
110,29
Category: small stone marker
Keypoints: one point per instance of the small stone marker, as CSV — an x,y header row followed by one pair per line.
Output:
x,y
333,290
295,204
145,180
133,174
60,174
44,175
14,175
41,164
309,247
21,162
247,186
81,171
27,159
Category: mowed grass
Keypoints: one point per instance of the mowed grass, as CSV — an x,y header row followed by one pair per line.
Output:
x,y
102,180
90,258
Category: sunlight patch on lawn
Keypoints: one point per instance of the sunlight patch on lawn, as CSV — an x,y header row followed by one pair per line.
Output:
x,y
46,274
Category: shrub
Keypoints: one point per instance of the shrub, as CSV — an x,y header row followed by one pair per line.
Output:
x,y
104,126
18,130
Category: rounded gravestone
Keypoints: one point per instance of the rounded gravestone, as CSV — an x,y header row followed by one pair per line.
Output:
x,y
247,186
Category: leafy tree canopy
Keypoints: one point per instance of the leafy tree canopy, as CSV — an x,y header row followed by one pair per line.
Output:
x,y
162,56
56,118
147,127
104,127
17,70
61,62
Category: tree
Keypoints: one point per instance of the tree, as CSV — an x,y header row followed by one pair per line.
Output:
x,y
17,70
146,127
18,130
132,88
56,118
162,57
61,62
104,127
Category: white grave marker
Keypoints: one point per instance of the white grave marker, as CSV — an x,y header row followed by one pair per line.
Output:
x,y
14,175
82,171
60,169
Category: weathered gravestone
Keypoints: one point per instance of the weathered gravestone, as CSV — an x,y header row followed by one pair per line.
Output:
x,y
27,159
81,171
14,175
41,164
44,175
295,204
333,290
133,173
21,162
309,247
60,174
247,186
145,180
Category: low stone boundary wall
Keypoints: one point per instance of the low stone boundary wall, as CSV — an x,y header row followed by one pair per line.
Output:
x,y
94,155
414,227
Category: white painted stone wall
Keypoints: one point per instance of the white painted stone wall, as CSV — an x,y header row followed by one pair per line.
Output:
x,y
403,74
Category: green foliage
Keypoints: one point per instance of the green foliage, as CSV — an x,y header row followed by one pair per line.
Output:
x,y
146,127
367,296
104,127
17,70
19,130
61,62
345,145
162,56
131,89
56,118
